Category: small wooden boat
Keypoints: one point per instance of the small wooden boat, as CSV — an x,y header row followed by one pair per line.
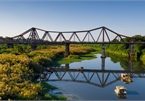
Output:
x,y
124,75
125,78
120,90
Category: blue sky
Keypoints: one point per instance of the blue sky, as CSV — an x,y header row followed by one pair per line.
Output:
x,y
124,17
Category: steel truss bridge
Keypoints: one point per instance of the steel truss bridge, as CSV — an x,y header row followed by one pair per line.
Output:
x,y
100,78
96,35
97,77
101,35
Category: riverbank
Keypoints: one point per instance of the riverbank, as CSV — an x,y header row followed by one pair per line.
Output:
x,y
77,53
48,96
19,66
73,58
117,53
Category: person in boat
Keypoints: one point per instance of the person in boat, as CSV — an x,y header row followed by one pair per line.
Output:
x,y
122,91
49,70
124,75
81,68
43,76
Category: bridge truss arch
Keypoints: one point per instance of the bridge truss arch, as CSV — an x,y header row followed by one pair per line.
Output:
x,y
100,34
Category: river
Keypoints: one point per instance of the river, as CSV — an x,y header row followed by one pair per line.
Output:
x,y
91,85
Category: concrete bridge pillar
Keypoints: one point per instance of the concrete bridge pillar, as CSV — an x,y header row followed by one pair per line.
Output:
x,y
103,63
103,68
103,82
10,45
33,47
103,51
67,66
67,52
131,66
131,54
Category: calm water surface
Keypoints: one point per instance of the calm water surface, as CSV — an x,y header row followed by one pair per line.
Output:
x,y
101,85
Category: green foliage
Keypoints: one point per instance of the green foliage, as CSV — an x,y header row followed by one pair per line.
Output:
x,y
73,57
15,82
80,49
143,57
120,48
42,47
52,97
138,38
42,60
17,49
47,97
17,73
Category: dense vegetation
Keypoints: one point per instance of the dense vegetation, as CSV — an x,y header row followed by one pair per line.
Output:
x,y
16,78
120,53
123,50
19,66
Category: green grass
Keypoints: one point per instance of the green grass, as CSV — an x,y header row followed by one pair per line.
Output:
x,y
74,58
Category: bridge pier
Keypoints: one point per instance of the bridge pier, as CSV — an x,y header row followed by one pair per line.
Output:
x,y
131,54
67,52
103,64
103,82
103,51
10,45
33,47
67,66
131,67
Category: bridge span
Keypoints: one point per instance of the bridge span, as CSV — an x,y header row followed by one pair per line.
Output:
x,y
100,78
101,35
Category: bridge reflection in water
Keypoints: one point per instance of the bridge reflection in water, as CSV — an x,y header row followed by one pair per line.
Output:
x,y
96,77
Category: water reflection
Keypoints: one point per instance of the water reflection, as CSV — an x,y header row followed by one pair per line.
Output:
x,y
97,77
126,63
89,76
